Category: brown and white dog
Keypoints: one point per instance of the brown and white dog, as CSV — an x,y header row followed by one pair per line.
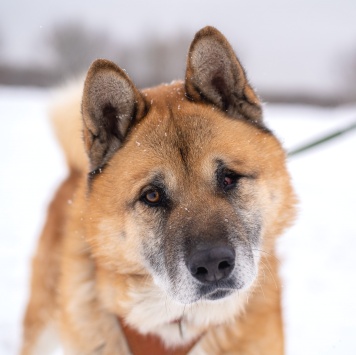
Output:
x,y
162,238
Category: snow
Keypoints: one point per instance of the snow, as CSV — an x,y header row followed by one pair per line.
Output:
x,y
317,253
32,167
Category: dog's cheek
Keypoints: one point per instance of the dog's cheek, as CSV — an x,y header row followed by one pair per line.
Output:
x,y
181,285
275,202
247,220
113,241
149,230
164,258
246,227
152,252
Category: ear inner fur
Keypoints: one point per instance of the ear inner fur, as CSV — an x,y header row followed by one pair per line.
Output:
x,y
110,106
215,75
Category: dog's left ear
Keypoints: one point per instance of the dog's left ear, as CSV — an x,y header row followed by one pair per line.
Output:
x,y
215,75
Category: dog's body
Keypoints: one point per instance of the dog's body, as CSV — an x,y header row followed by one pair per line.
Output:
x,y
172,232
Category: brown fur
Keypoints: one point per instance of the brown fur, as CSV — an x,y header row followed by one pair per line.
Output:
x,y
111,254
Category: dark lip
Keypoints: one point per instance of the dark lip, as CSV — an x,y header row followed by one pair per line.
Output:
x,y
224,285
218,290
218,294
213,293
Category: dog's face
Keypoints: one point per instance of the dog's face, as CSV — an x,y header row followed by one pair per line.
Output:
x,y
187,185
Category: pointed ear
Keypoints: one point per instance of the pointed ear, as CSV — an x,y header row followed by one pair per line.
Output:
x,y
215,75
111,105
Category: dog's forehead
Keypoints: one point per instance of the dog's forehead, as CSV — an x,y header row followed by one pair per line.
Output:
x,y
179,134
173,121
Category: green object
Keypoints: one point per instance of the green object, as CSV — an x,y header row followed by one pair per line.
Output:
x,y
322,140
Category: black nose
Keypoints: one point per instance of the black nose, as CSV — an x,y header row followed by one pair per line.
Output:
x,y
213,264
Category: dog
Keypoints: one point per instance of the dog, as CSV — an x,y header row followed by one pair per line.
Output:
x,y
162,238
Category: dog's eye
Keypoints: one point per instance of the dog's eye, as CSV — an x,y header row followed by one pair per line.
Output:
x,y
228,180
152,198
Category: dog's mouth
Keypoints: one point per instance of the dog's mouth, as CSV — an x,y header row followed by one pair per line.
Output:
x,y
218,294
217,291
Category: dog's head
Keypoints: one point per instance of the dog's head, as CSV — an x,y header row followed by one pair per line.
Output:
x,y
186,183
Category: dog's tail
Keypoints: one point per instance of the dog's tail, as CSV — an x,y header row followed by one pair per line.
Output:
x,y
65,114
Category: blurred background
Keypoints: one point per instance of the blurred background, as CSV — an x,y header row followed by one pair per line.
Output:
x,y
301,57
299,51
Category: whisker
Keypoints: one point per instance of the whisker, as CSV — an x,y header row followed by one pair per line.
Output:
x,y
266,252
270,271
166,303
261,288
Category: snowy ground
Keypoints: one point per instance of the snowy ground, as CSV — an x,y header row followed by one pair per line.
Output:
x,y
317,254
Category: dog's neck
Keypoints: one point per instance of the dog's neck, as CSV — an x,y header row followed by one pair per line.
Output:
x,y
147,310
150,344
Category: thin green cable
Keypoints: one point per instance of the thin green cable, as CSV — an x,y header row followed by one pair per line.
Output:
x,y
322,140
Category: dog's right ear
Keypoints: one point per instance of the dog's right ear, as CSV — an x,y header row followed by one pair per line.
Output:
x,y
111,105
